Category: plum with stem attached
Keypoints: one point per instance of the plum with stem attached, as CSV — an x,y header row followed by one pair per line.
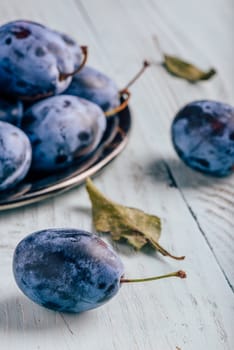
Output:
x,y
36,61
97,87
69,270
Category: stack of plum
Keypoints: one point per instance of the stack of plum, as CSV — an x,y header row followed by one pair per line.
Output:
x,y
53,108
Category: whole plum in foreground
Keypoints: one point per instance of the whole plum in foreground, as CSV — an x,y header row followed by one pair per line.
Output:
x,y
96,87
67,269
70,270
15,155
11,111
35,61
203,137
62,129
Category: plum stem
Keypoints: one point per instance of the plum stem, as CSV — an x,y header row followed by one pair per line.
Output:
x,y
64,76
136,77
180,274
125,94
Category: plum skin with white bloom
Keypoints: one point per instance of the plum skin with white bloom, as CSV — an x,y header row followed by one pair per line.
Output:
x,y
33,58
67,270
203,137
62,129
96,87
15,155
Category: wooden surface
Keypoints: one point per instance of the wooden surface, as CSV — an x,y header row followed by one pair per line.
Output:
x,y
197,211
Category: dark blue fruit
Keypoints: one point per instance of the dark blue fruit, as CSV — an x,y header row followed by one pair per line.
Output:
x,y
11,111
62,130
96,87
15,155
203,136
35,61
67,269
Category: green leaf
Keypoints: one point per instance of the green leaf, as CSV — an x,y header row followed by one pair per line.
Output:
x,y
185,70
130,224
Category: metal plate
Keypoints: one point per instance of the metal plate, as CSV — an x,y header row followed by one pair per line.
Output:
x,y
34,189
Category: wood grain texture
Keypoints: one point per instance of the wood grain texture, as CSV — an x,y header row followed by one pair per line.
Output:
x,y
167,94
197,211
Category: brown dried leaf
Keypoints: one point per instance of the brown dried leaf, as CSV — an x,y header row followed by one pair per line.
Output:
x,y
185,70
133,225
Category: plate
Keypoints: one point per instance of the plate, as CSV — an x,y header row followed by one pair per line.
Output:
x,y
34,189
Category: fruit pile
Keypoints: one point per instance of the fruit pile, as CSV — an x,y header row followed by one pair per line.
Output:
x,y
59,105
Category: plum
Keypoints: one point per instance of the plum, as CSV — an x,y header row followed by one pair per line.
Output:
x,y
36,61
67,269
70,270
95,86
203,136
15,155
11,111
62,129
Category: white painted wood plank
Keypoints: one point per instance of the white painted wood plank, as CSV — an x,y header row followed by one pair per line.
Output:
x,y
192,314
207,44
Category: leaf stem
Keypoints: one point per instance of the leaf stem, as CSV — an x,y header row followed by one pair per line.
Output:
x,y
164,252
180,274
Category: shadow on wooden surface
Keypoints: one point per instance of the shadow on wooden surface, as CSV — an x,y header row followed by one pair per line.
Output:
x,y
21,311
174,168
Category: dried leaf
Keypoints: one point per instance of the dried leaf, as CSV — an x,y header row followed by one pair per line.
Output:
x,y
185,70
133,225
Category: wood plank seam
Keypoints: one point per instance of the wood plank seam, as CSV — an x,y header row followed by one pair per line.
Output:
x,y
171,176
